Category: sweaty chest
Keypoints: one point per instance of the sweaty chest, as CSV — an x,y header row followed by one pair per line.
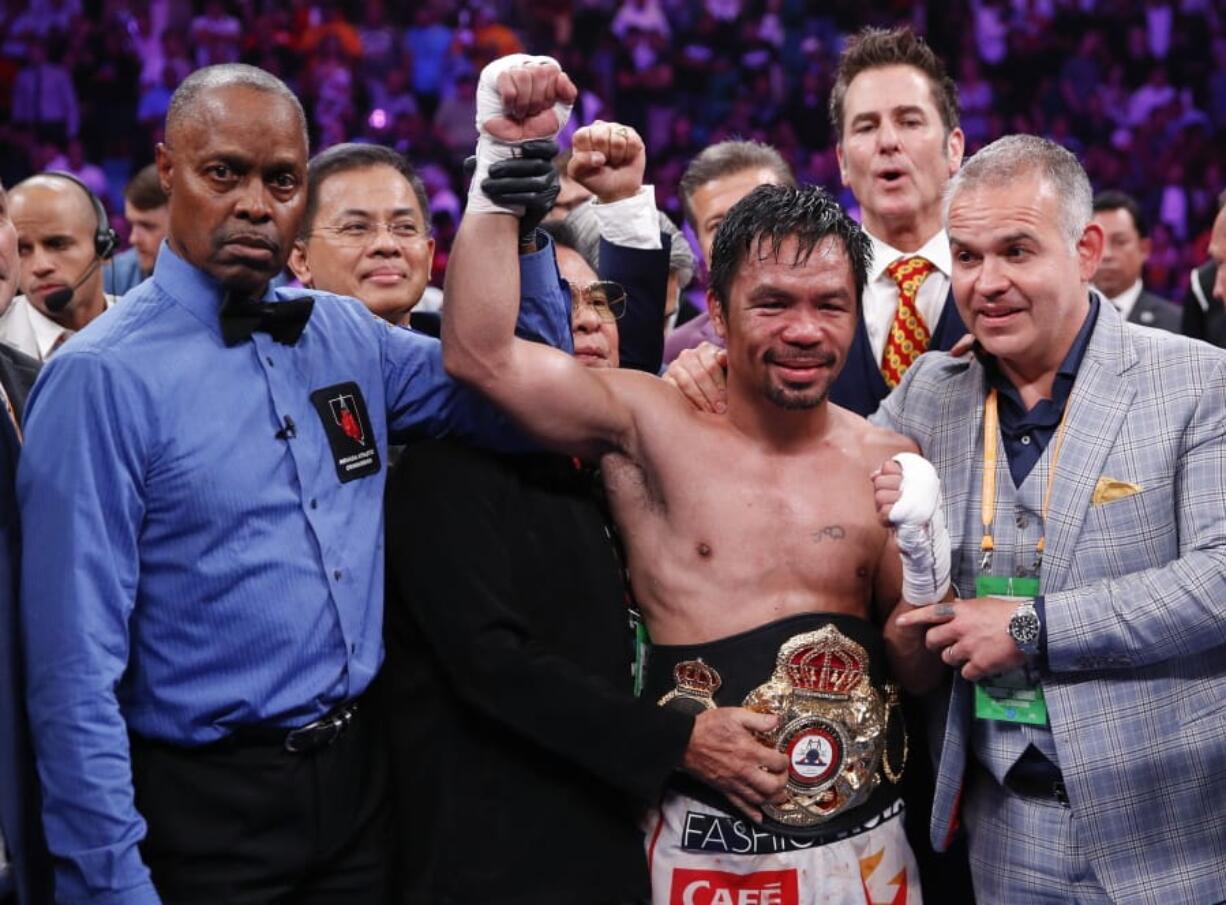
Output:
x,y
786,525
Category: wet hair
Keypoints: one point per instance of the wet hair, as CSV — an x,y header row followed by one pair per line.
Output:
x,y
872,48
769,215
1015,157
1114,200
724,159
187,96
144,192
345,158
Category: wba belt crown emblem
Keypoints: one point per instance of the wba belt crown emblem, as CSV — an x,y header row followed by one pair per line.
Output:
x,y
832,725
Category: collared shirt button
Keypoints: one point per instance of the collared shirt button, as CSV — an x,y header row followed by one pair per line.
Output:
x,y
337,574
1025,439
1021,521
353,647
268,358
314,503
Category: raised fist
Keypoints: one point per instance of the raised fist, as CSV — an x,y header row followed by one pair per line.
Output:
x,y
608,159
520,97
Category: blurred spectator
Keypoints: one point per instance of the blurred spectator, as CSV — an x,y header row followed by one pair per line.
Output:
x,y
145,209
1204,307
456,117
645,16
1126,248
73,161
427,42
44,98
216,35
334,27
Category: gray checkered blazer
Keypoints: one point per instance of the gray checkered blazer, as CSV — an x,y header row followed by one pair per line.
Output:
x,y
1136,599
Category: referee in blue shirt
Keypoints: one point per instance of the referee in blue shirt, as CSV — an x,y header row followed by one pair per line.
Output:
x,y
201,496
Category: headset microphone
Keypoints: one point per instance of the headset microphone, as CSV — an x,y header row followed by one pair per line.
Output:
x,y
60,299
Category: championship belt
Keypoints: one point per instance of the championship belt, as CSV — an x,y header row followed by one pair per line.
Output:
x,y
694,691
832,726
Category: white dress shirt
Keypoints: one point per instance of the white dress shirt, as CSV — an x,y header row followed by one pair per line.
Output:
x,y
28,330
1126,300
881,292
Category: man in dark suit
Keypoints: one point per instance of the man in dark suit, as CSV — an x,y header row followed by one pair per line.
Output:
x,y
24,867
895,112
1119,275
1204,307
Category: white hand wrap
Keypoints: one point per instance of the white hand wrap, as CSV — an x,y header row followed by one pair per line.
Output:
x,y
920,529
490,150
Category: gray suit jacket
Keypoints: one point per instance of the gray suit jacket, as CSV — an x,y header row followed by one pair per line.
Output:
x,y
1135,580
1152,310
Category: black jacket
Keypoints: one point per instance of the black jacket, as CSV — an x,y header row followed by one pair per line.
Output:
x,y
521,759
1204,316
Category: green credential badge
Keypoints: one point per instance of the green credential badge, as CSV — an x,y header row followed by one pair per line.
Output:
x,y
1011,697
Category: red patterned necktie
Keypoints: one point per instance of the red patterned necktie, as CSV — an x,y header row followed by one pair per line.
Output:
x,y
908,337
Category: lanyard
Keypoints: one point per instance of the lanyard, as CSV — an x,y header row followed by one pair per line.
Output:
x,y
991,434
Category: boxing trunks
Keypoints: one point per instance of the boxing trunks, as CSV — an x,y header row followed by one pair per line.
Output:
x,y
839,837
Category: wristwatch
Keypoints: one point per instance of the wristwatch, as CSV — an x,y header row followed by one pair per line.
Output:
x,y
1024,628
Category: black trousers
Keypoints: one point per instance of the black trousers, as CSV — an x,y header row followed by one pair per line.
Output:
x,y
252,824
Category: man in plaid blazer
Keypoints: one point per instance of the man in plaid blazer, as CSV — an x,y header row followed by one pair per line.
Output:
x,y
1107,482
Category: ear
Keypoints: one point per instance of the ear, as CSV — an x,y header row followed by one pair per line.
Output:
x,y
716,311
1147,246
955,146
165,164
429,258
1090,250
300,266
838,153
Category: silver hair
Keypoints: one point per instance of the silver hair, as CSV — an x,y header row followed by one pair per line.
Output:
x,y
227,75
1016,156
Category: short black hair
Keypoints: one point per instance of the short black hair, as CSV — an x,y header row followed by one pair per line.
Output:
x,y
769,215
343,158
1114,200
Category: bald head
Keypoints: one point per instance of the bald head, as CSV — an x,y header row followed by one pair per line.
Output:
x,y
201,87
69,197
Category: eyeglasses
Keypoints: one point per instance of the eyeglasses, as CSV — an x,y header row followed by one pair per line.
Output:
x,y
606,298
362,233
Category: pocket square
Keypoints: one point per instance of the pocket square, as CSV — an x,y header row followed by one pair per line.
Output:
x,y
1108,490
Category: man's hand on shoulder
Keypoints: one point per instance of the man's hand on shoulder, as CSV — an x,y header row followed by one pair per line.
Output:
x,y
701,374
725,753
608,159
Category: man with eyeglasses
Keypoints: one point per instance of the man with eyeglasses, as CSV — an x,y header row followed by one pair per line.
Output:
x,y
366,230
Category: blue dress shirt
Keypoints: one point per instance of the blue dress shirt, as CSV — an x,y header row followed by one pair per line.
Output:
x,y
1025,434
193,561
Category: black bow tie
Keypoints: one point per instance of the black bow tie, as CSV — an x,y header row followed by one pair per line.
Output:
x,y
283,321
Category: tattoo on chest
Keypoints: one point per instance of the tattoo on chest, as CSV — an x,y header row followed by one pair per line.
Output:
x,y
830,532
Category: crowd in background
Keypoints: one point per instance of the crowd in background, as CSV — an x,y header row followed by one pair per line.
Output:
x,y
1136,88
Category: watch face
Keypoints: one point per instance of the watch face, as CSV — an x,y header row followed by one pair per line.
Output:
x,y
1024,627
